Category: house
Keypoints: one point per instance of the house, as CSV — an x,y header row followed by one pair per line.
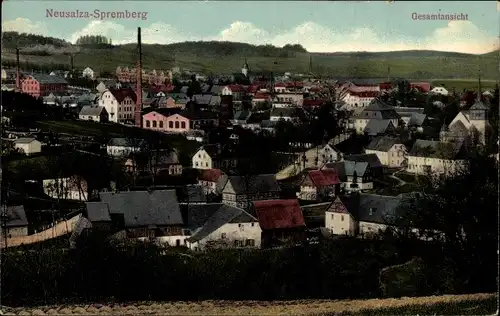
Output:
x,y
319,185
330,154
294,99
281,221
314,214
241,117
240,191
472,126
287,114
217,225
28,146
151,215
212,180
155,120
235,90
390,151
436,157
40,85
355,99
88,73
121,147
376,110
214,157
260,98
439,90
15,223
119,104
100,218
71,188
200,119
94,113
379,127
159,161
358,176
372,160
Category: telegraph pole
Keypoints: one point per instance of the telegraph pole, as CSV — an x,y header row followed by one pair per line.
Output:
x,y
138,103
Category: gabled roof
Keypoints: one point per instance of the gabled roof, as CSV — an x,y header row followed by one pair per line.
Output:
x,y
352,167
97,212
383,143
378,105
199,115
204,219
417,119
371,159
324,177
48,79
211,175
375,127
121,94
437,149
279,214
202,98
261,183
144,208
479,105
375,208
242,115
92,110
16,216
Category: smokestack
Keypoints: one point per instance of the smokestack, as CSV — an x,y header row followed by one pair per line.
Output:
x,y
71,62
18,85
138,104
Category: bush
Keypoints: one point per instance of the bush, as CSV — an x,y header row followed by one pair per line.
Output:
x,y
403,280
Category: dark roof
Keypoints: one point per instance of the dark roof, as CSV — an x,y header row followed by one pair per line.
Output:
x,y
479,105
97,212
376,127
382,143
194,194
378,105
242,115
92,110
144,208
371,159
121,94
126,142
318,209
207,218
48,79
278,214
376,208
436,149
352,166
16,216
339,168
417,119
261,183
285,112
199,115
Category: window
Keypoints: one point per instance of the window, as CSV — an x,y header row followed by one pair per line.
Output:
x,y
223,236
341,218
206,164
253,224
148,124
154,123
250,242
170,124
176,124
196,164
178,243
161,124
333,216
239,225
183,124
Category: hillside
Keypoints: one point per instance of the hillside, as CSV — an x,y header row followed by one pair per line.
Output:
x,y
228,57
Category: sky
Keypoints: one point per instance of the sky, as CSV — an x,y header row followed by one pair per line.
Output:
x,y
318,26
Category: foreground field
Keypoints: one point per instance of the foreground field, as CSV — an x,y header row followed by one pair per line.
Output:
x,y
473,304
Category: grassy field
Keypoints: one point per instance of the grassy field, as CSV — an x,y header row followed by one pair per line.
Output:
x,y
473,304
226,58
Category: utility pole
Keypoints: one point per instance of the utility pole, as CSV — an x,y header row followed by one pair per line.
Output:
x,y
388,73
18,79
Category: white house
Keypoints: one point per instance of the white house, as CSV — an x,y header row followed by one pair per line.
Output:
x,y
338,220
120,147
285,113
94,113
390,151
217,225
235,90
212,180
28,146
71,188
357,99
119,104
377,110
88,73
330,154
439,90
436,157
202,159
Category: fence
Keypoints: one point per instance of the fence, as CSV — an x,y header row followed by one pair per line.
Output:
x,y
60,229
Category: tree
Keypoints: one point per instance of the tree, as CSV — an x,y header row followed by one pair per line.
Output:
x,y
462,211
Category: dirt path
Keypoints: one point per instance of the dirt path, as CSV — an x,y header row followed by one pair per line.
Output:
x,y
301,307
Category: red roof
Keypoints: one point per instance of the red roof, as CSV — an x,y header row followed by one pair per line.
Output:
x,y
385,85
364,94
260,95
211,175
307,102
280,85
236,88
325,177
423,86
276,214
253,88
121,94
297,84
314,89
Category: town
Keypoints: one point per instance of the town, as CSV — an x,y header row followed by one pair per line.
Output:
x,y
192,163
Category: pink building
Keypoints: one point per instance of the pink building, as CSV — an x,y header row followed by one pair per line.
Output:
x,y
155,121
177,124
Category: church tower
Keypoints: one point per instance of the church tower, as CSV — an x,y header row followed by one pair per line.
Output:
x,y
478,116
245,69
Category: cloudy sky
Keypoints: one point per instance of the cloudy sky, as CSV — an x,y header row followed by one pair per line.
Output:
x,y
318,26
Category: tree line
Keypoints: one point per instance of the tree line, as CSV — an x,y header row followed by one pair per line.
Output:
x,y
12,40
